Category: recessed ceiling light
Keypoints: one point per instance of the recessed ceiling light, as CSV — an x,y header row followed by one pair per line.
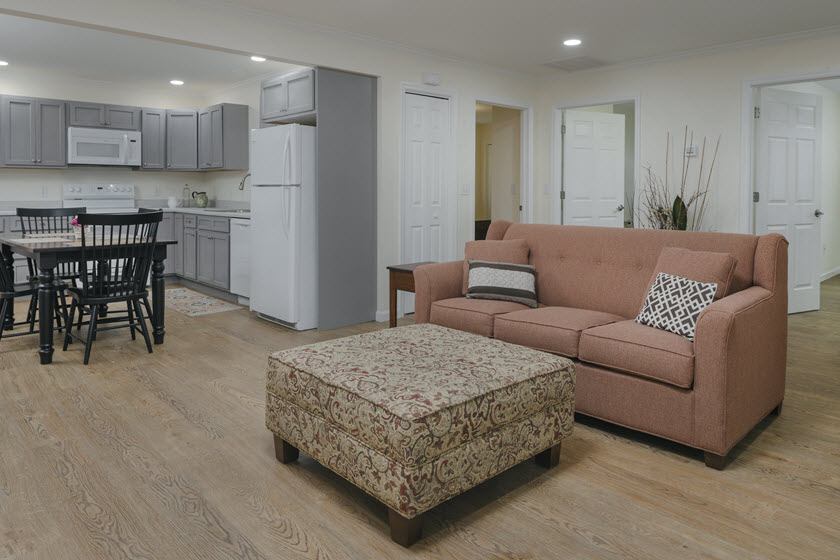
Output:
x,y
258,58
176,82
3,63
572,42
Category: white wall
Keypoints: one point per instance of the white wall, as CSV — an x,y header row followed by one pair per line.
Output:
x,y
225,25
701,92
830,184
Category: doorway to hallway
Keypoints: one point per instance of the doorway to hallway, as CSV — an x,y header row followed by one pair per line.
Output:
x,y
498,166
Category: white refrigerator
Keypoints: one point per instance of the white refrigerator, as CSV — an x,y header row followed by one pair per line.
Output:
x,y
284,270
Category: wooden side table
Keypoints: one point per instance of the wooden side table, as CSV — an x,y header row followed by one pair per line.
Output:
x,y
401,278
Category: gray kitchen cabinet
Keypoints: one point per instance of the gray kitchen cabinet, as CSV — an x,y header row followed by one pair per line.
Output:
x,y
223,137
122,117
86,114
51,133
221,260
190,260
176,263
214,258
153,127
210,149
300,88
33,132
102,115
181,140
166,230
286,95
273,98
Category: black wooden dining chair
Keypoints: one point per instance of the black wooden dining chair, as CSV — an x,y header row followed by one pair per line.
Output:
x,y
116,260
9,291
39,221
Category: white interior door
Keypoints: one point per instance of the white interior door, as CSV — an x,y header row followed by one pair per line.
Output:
x,y
789,140
427,183
593,168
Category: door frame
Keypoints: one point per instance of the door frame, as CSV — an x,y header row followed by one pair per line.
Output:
x,y
556,167
749,128
451,216
526,157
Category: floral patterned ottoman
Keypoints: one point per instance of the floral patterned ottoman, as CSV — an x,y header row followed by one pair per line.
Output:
x,y
416,415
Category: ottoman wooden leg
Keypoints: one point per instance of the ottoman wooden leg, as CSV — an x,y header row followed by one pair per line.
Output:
x,y
405,531
285,451
713,461
549,458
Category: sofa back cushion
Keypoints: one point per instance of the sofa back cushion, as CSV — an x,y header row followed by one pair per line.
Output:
x,y
512,252
700,266
609,269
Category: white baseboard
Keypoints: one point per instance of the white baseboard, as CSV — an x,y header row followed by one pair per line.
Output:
x,y
385,316
830,274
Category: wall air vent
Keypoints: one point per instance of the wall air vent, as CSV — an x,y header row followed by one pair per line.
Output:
x,y
575,64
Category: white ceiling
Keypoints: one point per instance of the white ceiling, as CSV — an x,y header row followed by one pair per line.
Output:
x,y
523,35
30,45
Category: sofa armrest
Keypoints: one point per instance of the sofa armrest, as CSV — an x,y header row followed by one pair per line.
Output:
x,y
740,352
433,282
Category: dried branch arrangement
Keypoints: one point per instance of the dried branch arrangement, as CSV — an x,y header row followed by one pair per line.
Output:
x,y
657,210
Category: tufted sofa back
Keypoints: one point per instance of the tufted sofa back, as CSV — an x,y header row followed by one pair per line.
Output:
x,y
608,269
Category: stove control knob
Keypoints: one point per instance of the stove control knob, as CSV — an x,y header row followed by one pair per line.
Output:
x,y
112,188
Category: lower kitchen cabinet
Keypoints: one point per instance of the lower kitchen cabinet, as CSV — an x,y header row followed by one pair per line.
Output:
x,y
190,260
177,251
204,249
214,258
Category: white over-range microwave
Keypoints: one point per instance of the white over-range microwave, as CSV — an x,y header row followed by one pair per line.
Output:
x,y
103,146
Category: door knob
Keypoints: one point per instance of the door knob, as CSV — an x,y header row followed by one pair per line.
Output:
x,y
818,212
620,208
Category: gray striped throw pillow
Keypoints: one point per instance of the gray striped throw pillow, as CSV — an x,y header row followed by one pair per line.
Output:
x,y
503,281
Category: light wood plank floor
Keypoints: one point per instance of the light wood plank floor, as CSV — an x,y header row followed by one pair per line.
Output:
x,y
167,457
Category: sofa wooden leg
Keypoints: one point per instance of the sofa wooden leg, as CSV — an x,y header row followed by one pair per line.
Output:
x,y
404,531
778,410
548,458
285,451
713,461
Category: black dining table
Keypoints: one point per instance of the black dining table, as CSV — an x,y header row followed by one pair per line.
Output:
x,y
47,255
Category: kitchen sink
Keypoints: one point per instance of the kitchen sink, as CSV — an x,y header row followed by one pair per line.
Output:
x,y
228,210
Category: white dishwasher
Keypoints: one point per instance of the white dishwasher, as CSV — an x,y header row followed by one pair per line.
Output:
x,y
240,257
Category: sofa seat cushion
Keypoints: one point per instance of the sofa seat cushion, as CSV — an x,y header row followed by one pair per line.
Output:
x,y
471,315
640,350
551,329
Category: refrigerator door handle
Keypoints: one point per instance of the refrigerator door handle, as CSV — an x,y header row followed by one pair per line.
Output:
x,y
287,211
287,175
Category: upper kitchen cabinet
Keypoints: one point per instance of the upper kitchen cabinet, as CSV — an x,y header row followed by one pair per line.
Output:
x,y
153,123
287,95
33,132
223,137
181,140
120,117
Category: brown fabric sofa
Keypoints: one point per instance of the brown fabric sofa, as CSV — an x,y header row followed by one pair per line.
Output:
x,y
591,283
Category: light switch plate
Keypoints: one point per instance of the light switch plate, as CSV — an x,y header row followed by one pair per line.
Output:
x,y
465,189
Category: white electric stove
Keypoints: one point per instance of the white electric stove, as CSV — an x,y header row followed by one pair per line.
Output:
x,y
99,198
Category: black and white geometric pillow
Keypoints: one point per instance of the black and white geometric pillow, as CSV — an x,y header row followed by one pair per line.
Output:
x,y
674,304
503,281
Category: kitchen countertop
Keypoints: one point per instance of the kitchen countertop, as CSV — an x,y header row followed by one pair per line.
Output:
x,y
205,212
199,211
